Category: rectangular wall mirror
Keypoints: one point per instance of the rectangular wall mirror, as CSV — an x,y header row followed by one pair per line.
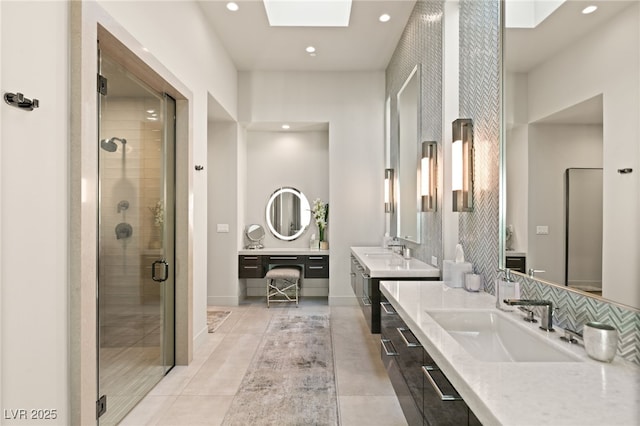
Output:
x,y
408,199
571,86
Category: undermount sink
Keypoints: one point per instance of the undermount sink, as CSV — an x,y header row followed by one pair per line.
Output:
x,y
491,336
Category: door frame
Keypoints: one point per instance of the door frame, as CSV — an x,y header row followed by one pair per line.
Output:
x,y
88,24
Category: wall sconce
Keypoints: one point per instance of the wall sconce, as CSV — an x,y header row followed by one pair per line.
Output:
x,y
388,190
428,176
462,165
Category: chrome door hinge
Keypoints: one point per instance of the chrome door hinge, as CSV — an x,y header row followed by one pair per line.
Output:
x,y
101,406
102,85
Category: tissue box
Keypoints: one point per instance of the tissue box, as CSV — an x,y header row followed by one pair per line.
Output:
x,y
453,273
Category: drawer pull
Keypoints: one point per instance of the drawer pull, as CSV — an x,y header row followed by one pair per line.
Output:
x,y
249,267
250,257
366,301
315,257
402,330
387,352
315,267
427,369
388,308
283,258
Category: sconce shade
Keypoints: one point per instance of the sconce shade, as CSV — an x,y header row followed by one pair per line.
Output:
x,y
462,165
388,190
428,176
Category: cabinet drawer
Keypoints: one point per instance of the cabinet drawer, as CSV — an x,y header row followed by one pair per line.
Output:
x,y
250,267
516,263
284,259
316,267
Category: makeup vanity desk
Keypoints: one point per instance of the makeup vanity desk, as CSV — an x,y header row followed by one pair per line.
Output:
x,y
256,262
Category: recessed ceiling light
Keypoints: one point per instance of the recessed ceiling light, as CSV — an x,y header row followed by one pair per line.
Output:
x,y
232,6
385,17
589,9
310,49
286,126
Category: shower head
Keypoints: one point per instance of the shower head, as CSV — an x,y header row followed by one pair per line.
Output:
x,y
110,144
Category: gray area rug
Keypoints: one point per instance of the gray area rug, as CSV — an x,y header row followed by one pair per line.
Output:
x,y
291,379
215,319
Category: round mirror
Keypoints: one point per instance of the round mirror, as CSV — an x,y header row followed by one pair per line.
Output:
x,y
255,234
288,213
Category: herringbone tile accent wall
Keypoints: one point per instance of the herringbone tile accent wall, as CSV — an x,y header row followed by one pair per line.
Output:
x,y
421,43
574,310
479,90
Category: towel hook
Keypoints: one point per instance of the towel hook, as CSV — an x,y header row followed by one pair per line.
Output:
x,y
19,101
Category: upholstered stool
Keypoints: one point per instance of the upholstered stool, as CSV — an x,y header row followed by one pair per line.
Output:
x,y
282,284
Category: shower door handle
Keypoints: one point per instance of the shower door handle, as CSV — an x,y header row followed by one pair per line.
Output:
x,y
165,270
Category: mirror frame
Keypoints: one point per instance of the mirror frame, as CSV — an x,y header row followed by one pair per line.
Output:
x,y
416,200
305,212
503,179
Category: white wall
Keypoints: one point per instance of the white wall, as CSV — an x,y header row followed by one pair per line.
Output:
x,y
223,199
606,62
276,159
553,149
353,105
34,205
197,58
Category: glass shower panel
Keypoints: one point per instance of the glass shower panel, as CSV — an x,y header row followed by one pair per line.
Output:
x,y
135,283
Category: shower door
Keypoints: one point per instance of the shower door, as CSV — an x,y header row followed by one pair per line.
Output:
x,y
136,147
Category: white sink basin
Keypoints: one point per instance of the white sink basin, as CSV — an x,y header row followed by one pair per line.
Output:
x,y
491,336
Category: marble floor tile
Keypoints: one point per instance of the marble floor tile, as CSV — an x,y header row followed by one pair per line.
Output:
x,y
201,393
370,411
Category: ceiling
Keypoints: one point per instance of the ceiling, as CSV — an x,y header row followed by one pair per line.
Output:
x,y
366,44
526,48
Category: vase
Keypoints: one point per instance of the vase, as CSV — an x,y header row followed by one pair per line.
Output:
x,y
324,245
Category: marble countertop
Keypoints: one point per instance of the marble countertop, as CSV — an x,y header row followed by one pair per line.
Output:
x,y
585,392
392,266
284,251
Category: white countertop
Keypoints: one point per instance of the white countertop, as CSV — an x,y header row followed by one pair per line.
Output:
x,y
393,266
586,392
284,251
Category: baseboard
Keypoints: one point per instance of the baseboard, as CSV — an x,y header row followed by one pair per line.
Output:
x,y
200,337
342,301
223,301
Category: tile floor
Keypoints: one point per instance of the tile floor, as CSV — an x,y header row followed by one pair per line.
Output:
x,y
201,393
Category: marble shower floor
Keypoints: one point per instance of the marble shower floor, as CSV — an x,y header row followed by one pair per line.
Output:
x,y
201,393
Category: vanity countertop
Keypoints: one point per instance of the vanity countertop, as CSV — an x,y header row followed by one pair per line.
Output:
x,y
275,251
382,263
586,392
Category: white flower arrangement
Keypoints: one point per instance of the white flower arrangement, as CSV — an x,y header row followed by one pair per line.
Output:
x,y
158,213
320,212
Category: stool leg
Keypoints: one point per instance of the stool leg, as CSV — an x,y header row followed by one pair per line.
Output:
x,y
268,287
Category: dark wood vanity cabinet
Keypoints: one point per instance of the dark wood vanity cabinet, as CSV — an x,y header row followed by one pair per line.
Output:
x,y
516,263
424,393
256,266
316,266
251,267
367,291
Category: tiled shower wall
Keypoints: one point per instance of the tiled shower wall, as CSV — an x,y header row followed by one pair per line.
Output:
x,y
421,43
131,176
480,99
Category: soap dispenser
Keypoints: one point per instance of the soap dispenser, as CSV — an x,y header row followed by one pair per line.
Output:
x,y
506,288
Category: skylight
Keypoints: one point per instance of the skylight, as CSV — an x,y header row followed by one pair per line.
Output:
x,y
308,13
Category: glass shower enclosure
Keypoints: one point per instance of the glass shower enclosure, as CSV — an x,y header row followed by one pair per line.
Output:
x,y
136,148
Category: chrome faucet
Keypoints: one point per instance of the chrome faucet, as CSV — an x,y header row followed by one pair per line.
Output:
x,y
546,319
